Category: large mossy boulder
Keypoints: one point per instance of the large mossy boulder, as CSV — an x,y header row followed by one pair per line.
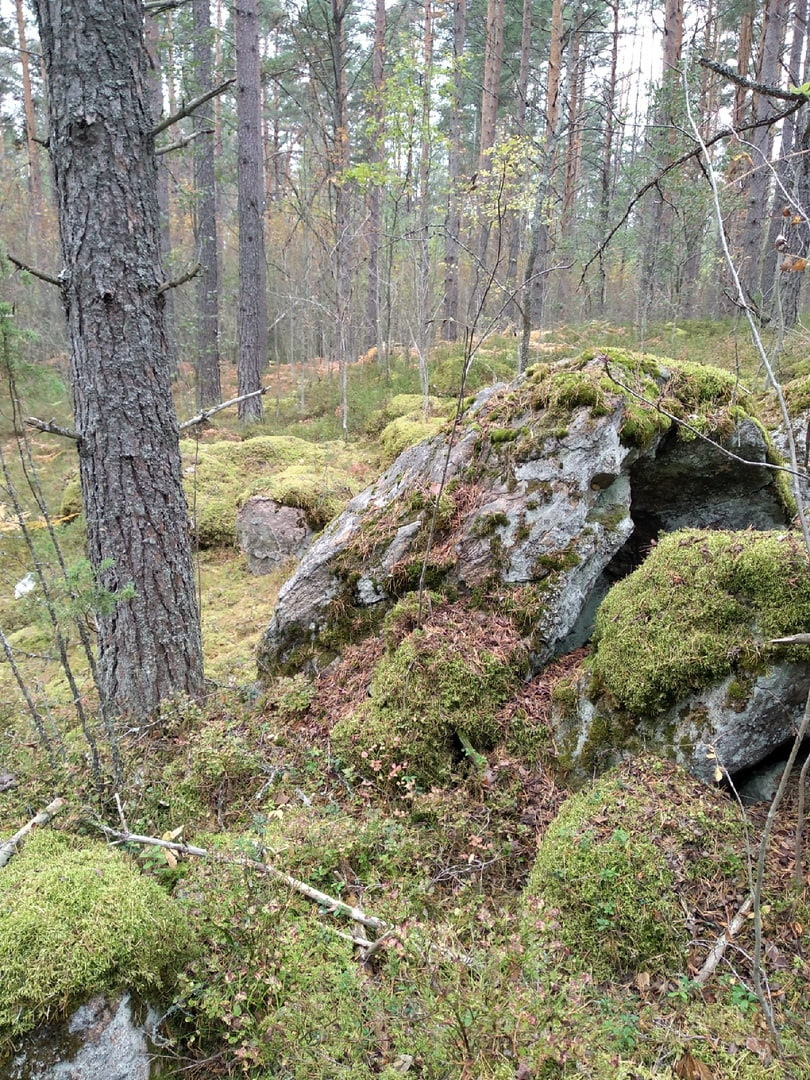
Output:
x,y
533,495
76,920
221,476
624,870
683,662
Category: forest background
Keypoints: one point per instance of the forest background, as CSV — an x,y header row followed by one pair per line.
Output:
x,y
407,173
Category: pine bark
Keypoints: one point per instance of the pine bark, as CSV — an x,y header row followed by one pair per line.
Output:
x,y
452,228
102,150
209,388
252,315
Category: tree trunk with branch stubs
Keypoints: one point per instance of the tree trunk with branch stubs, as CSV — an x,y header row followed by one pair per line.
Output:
x,y
252,321
102,150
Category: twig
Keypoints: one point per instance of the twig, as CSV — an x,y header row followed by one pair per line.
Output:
x,y
52,428
34,272
798,851
202,416
188,109
794,639
9,848
331,903
716,955
175,282
184,141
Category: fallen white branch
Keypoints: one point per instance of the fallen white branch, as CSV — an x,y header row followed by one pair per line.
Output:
x,y
9,848
716,955
331,903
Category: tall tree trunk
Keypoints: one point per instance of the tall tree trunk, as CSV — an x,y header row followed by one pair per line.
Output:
x,y
342,258
251,354
34,171
152,37
490,99
769,71
513,218
533,291
798,233
606,162
452,228
374,333
102,149
209,389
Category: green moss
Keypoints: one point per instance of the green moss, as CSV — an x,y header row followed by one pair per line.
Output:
x,y
488,524
220,477
407,431
504,435
77,920
71,505
441,682
698,609
606,891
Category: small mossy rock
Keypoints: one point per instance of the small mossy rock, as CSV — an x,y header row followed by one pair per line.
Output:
x,y
536,491
434,698
270,534
221,476
682,663
618,872
78,920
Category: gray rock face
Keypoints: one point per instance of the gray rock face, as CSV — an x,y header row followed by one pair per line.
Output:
x,y
270,534
713,726
565,508
101,1039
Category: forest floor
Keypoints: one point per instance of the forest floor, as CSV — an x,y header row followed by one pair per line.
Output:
x,y
461,969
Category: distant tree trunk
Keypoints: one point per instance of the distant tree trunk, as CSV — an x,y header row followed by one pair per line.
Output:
x,y
490,99
606,162
102,149
342,256
513,218
533,291
252,315
452,228
152,35
376,157
209,389
769,71
34,171
798,234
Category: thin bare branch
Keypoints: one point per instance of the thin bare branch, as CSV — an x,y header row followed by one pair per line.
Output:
x,y
184,141
9,848
202,416
188,109
33,271
331,903
51,428
716,955
176,282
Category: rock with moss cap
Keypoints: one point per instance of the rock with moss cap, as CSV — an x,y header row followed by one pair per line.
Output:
x,y
535,491
682,662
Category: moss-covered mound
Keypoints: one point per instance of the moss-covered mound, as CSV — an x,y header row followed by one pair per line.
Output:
x,y
701,606
434,697
77,920
623,866
406,431
221,476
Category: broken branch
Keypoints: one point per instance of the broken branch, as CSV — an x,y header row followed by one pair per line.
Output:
x,y
184,141
9,848
51,428
188,109
202,416
716,955
176,282
33,271
331,903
